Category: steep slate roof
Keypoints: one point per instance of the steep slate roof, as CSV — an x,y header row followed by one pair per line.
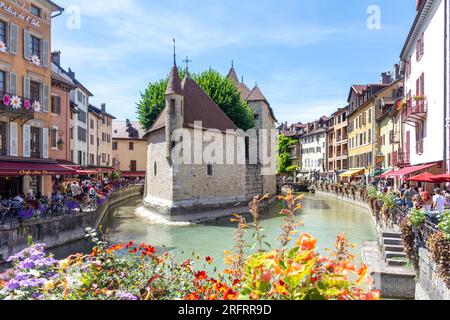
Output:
x,y
119,129
198,106
174,85
232,75
257,95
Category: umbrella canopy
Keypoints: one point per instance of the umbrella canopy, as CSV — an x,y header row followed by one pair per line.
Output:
x,y
442,178
423,177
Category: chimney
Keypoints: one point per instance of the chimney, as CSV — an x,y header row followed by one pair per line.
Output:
x,y
396,71
56,57
71,73
386,78
103,107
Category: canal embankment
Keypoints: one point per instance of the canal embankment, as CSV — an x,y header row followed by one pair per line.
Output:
x,y
60,230
392,272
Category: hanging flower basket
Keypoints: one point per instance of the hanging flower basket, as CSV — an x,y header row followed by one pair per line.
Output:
x,y
6,100
27,104
35,60
16,102
3,47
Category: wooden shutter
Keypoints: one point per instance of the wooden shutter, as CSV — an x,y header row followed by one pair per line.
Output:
x,y
45,53
13,141
13,84
45,98
13,38
45,145
26,87
26,141
26,45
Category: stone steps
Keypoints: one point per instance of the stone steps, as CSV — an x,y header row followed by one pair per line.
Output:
x,y
391,234
396,263
392,255
394,248
392,242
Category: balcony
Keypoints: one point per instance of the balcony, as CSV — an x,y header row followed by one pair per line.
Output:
x,y
401,159
415,111
15,111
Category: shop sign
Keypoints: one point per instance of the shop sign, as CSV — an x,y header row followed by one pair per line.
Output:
x,y
19,15
35,173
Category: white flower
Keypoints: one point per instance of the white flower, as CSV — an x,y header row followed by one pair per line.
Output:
x,y
35,60
16,102
3,47
37,106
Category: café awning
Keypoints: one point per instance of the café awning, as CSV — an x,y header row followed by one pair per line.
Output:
x,y
409,170
442,178
352,173
423,177
18,169
133,174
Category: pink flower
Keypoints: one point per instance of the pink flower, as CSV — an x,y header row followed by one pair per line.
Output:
x,y
6,100
27,104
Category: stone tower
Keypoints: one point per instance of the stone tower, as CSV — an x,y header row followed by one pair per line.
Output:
x,y
174,107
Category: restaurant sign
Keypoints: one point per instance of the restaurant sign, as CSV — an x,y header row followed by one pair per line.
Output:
x,y
36,173
19,15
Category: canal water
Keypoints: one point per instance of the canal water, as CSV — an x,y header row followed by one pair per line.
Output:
x,y
323,217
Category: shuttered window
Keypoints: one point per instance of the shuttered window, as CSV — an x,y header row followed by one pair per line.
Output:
x,y
35,46
2,83
3,35
35,91
82,134
56,105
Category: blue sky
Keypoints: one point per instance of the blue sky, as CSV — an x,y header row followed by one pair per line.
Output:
x,y
304,55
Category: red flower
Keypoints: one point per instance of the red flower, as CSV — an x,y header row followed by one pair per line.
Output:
x,y
201,275
129,245
209,260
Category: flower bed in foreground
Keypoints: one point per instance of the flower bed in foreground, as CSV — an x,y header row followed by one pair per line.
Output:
x,y
137,272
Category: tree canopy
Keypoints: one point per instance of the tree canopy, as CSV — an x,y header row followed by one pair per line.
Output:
x,y
220,89
284,154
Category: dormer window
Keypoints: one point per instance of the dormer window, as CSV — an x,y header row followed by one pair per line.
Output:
x,y
35,11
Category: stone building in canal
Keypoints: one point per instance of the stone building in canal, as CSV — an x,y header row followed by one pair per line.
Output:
x,y
195,188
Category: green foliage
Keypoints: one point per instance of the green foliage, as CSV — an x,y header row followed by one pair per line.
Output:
x,y
220,89
284,153
388,200
418,217
444,224
372,192
292,168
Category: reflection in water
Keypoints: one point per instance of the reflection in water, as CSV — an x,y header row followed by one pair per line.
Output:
x,y
323,217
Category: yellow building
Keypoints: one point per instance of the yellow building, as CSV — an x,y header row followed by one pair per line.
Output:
x,y
362,127
129,148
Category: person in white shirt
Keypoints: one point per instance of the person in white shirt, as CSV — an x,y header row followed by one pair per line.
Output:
x,y
439,201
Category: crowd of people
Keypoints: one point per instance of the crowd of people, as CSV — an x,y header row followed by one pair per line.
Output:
x,y
67,195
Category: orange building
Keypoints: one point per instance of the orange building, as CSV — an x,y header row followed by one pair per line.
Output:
x,y
25,104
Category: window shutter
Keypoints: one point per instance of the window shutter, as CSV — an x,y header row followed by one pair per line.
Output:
x,y
13,38
423,84
26,45
45,53
45,97
26,87
13,145
26,141
45,145
13,84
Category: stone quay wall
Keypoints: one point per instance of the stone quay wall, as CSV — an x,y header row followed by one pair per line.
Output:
x,y
58,231
430,286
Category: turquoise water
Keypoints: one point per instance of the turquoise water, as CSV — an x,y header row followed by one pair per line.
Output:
x,y
324,218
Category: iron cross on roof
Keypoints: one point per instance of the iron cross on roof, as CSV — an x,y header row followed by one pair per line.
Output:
x,y
187,61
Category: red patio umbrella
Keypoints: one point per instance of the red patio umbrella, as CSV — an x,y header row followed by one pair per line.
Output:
x,y
424,177
442,178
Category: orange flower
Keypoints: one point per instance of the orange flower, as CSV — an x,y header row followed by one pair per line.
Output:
x,y
306,242
362,273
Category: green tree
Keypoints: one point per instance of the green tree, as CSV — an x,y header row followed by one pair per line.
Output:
x,y
220,89
284,153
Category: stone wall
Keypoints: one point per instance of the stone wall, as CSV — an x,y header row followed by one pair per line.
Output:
x,y
430,286
58,231
253,181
